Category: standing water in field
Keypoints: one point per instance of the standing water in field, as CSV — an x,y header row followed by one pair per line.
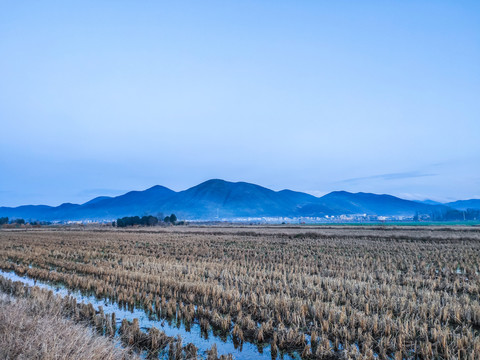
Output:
x,y
194,335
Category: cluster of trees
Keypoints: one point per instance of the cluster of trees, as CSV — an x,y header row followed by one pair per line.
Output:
x,y
170,219
144,220
450,215
39,223
458,215
4,220
136,220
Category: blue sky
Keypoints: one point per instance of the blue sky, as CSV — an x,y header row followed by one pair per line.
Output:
x,y
102,97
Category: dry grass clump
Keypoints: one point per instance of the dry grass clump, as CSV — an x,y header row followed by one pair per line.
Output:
x,y
395,293
31,330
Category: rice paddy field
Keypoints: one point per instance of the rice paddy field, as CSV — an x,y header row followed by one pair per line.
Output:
x,y
257,292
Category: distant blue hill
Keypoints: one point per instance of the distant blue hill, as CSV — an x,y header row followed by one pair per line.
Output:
x,y
465,204
367,203
222,199
429,202
219,199
96,200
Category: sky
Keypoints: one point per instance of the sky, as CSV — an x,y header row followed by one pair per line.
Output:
x,y
103,97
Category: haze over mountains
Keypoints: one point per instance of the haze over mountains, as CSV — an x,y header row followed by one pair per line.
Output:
x,y
219,199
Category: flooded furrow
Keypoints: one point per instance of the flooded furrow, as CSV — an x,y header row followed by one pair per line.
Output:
x,y
195,336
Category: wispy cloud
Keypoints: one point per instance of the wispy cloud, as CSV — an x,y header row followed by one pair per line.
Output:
x,y
387,177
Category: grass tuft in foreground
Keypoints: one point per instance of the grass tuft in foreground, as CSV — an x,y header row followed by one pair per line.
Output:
x,y
35,328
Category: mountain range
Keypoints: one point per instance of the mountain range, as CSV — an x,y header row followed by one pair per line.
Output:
x,y
219,199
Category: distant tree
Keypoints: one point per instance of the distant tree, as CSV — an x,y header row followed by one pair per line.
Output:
x,y
173,218
19,221
166,219
3,220
148,220
152,220
114,223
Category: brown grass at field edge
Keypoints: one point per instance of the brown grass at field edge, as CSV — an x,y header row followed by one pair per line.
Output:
x,y
30,331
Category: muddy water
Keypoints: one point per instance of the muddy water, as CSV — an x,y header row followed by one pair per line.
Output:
x,y
224,346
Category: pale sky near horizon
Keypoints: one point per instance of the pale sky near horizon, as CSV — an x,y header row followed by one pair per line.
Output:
x,y
103,97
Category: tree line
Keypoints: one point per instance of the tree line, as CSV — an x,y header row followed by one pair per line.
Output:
x,y
147,220
5,220
450,215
